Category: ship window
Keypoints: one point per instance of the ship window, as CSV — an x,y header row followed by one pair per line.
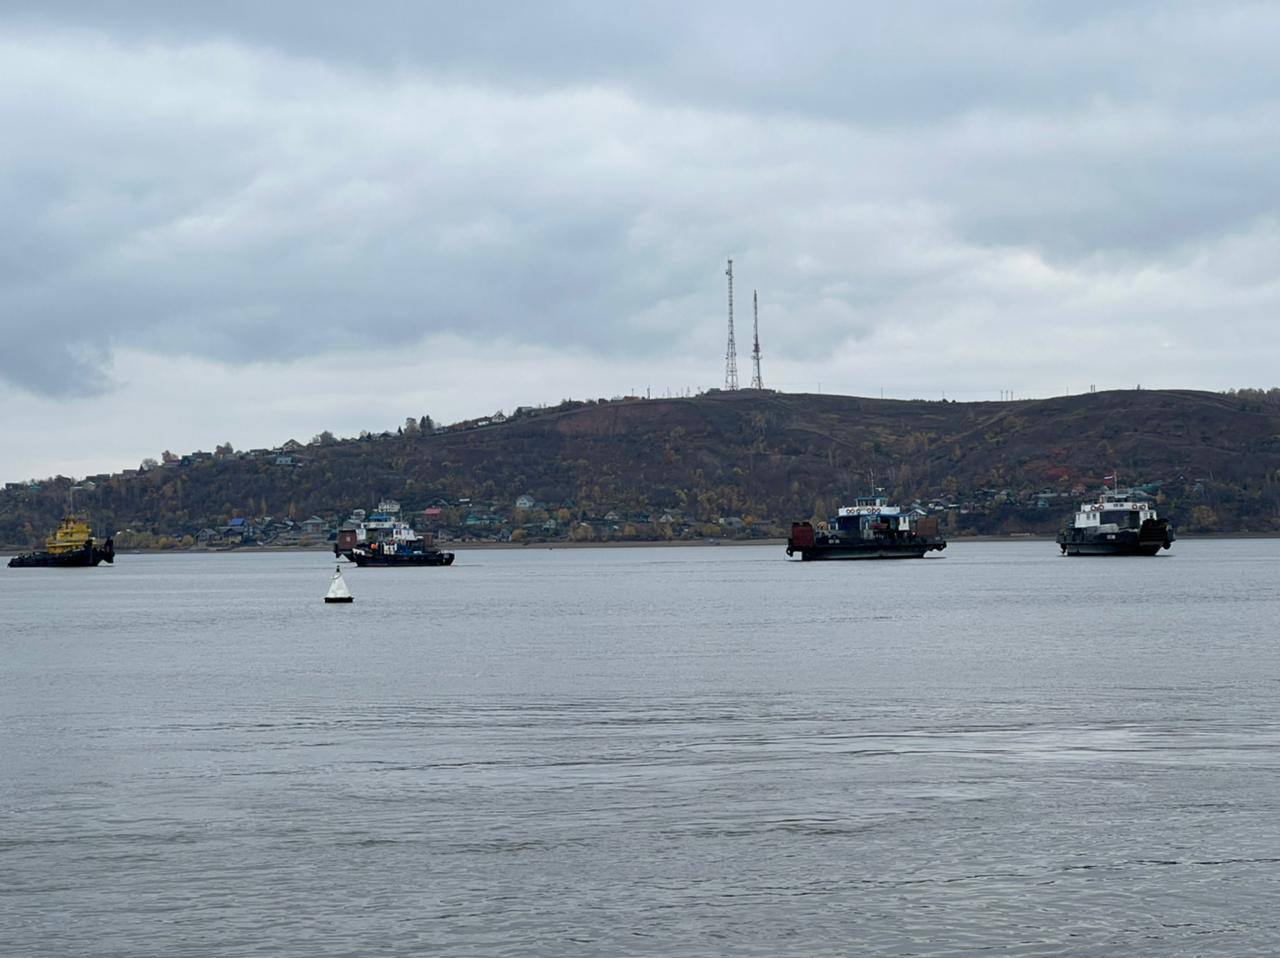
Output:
x,y
1124,518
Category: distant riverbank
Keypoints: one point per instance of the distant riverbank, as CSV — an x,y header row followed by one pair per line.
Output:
x,y
626,544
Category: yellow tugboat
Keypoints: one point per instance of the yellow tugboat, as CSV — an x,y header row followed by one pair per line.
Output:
x,y
72,545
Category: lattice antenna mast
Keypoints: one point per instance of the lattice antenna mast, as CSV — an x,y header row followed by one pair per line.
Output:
x,y
756,381
731,351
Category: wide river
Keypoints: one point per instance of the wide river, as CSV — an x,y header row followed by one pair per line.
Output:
x,y
651,751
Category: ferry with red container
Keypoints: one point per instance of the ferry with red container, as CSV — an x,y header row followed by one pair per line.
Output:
x,y
382,539
869,529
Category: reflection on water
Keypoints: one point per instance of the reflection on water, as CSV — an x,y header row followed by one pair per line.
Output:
x,y
651,752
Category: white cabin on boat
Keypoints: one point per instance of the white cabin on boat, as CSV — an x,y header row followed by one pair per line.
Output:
x,y
865,512
1114,511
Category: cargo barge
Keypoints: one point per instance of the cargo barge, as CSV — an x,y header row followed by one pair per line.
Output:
x,y
1117,524
869,529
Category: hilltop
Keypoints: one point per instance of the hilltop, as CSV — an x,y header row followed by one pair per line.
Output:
x,y
745,463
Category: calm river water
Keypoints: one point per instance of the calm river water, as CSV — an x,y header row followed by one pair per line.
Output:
x,y
666,751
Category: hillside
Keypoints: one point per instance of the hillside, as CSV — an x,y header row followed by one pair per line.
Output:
x,y
764,458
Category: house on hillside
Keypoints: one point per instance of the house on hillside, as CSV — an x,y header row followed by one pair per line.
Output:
x,y
292,446
239,530
525,502
315,526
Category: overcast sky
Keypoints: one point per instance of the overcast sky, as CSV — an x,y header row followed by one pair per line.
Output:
x,y
248,222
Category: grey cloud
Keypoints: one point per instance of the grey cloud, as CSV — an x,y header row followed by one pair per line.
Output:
x,y
901,63
271,181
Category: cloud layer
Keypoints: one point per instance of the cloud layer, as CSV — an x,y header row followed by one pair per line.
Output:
x,y
928,201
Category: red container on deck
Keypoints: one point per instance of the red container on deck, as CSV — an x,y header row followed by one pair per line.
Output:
x,y
801,535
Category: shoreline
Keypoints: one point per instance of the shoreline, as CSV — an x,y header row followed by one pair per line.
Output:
x,y
634,544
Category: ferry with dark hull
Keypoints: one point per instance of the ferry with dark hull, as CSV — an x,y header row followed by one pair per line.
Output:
x,y
869,529
391,553
384,540
71,546
1116,525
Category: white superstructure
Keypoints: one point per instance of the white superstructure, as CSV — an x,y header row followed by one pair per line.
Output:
x,y
873,506
1114,511
381,527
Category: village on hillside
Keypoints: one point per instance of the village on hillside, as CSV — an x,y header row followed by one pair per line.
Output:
x,y
530,487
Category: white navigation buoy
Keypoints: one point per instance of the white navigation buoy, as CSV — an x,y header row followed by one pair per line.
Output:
x,y
338,591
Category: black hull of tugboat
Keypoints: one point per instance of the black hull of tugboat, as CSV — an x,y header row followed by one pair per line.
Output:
x,y
1147,541
411,559
1108,549
85,558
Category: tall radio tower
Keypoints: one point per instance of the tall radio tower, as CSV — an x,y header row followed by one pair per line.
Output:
x,y
756,381
731,351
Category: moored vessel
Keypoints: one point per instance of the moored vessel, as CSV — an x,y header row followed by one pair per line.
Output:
x,y
399,553
71,546
869,529
384,540
1117,524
